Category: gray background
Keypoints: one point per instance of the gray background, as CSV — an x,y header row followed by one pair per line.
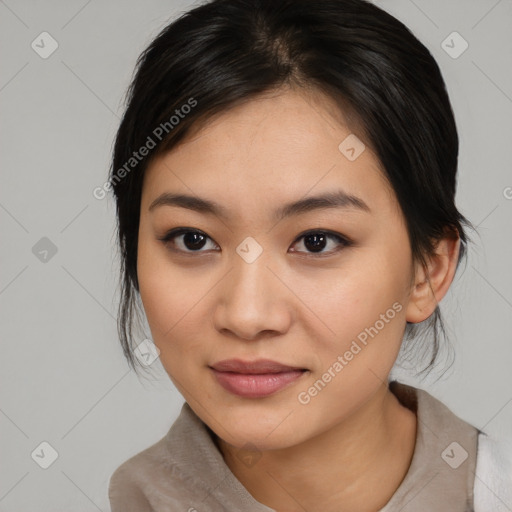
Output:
x,y
63,376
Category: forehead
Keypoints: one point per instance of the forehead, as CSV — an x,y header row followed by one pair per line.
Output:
x,y
273,149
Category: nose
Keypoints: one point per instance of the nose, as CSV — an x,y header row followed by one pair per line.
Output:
x,y
252,301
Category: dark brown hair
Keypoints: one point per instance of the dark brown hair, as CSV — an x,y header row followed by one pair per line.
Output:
x,y
226,52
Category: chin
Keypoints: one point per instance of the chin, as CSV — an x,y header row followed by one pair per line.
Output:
x,y
264,431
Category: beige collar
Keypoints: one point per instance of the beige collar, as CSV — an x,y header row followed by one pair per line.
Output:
x,y
438,478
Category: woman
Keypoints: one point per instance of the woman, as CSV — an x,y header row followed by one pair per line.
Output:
x,y
285,175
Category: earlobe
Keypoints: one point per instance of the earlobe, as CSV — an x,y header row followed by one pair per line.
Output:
x,y
432,283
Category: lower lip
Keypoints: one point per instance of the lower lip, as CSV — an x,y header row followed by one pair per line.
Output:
x,y
256,385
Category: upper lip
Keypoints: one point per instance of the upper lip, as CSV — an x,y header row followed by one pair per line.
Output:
x,y
253,367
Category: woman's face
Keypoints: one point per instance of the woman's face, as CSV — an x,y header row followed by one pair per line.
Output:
x,y
263,285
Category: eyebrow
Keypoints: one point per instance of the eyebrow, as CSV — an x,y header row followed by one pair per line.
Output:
x,y
336,199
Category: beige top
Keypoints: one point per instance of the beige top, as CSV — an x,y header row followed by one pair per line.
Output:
x,y
185,471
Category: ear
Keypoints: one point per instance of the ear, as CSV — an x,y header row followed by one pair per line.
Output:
x,y
432,284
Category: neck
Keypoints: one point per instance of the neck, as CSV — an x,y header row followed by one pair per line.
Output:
x,y
355,466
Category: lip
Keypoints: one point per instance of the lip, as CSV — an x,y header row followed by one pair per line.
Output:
x,y
255,379
253,367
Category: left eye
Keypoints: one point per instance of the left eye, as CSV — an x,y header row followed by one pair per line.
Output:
x,y
314,241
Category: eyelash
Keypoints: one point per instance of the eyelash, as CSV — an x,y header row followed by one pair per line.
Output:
x,y
342,240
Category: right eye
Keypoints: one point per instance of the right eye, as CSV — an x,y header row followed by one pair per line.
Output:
x,y
186,240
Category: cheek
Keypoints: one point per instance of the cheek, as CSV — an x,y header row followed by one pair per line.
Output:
x,y
154,289
354,296
361,308
172,297
160,291
170,316
364,308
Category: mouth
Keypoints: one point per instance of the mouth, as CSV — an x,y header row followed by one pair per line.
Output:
x,y
255,379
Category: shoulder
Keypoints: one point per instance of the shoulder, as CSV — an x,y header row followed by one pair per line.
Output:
x,y
493,476
128,484
164,475
150,481
133,471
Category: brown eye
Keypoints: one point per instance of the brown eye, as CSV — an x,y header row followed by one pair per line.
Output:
x,y
188,240
316,241
191,240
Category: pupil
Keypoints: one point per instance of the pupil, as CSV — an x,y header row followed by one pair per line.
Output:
x,y
193,240
315,242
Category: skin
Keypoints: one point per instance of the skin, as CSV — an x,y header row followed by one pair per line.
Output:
x,y
350,447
